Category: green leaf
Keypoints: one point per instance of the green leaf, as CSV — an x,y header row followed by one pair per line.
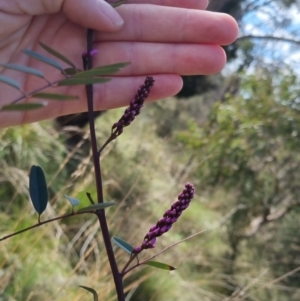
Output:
x,y
9,81
103,70
57,54
118,3
82,81
38,189
43,59
24,69
160,265
92,291
71,71
98,206
53,96
74,202
123,244
23,106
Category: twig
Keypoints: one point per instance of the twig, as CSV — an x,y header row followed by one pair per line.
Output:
x,y
278,39
43,223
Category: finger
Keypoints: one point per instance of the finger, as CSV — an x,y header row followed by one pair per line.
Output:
x,y
96,14
116,93
159,58
195,4
169,24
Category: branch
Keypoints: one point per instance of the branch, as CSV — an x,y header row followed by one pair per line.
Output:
x,y
162,251
262,220
43,223
277,39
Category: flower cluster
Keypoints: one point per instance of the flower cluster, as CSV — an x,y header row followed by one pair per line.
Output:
x,y
168,219
134,108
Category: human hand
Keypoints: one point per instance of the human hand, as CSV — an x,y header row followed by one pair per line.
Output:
x,y
158,39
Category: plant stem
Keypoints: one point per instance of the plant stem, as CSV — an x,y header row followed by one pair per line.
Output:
x,y
88,64
124,271
42,223
132,257
111,138
26,95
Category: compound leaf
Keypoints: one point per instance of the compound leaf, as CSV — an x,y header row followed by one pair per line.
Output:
x,y
24,69
123,244
38,189
43,59
57,54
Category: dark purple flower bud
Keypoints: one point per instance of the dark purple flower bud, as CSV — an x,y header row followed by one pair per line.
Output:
x,y
165,223
169,227
168,212
137,250
169,220
178,213
163,229
152,228
152,234
152,242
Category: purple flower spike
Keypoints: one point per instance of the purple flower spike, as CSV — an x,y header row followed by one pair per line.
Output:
x,y
134,108
169,218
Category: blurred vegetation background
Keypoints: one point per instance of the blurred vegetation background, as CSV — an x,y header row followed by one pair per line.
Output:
x,y
234,135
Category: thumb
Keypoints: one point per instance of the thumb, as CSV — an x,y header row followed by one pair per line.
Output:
x,y
95,14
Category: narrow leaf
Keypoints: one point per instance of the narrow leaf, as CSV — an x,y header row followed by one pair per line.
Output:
x,y
43,59
97,207
160,265
74,202
123,244
118,3
82,81
38,189
57,54
103,70
71,71
24,106
53,96
24,69
9,81
92,291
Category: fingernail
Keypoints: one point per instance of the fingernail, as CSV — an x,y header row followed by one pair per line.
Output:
x,y
112,14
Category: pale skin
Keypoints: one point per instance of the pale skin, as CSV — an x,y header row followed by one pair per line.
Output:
x,y
161,38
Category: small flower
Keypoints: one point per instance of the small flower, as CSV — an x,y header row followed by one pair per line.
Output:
x,y
134,108
92,53
168,219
